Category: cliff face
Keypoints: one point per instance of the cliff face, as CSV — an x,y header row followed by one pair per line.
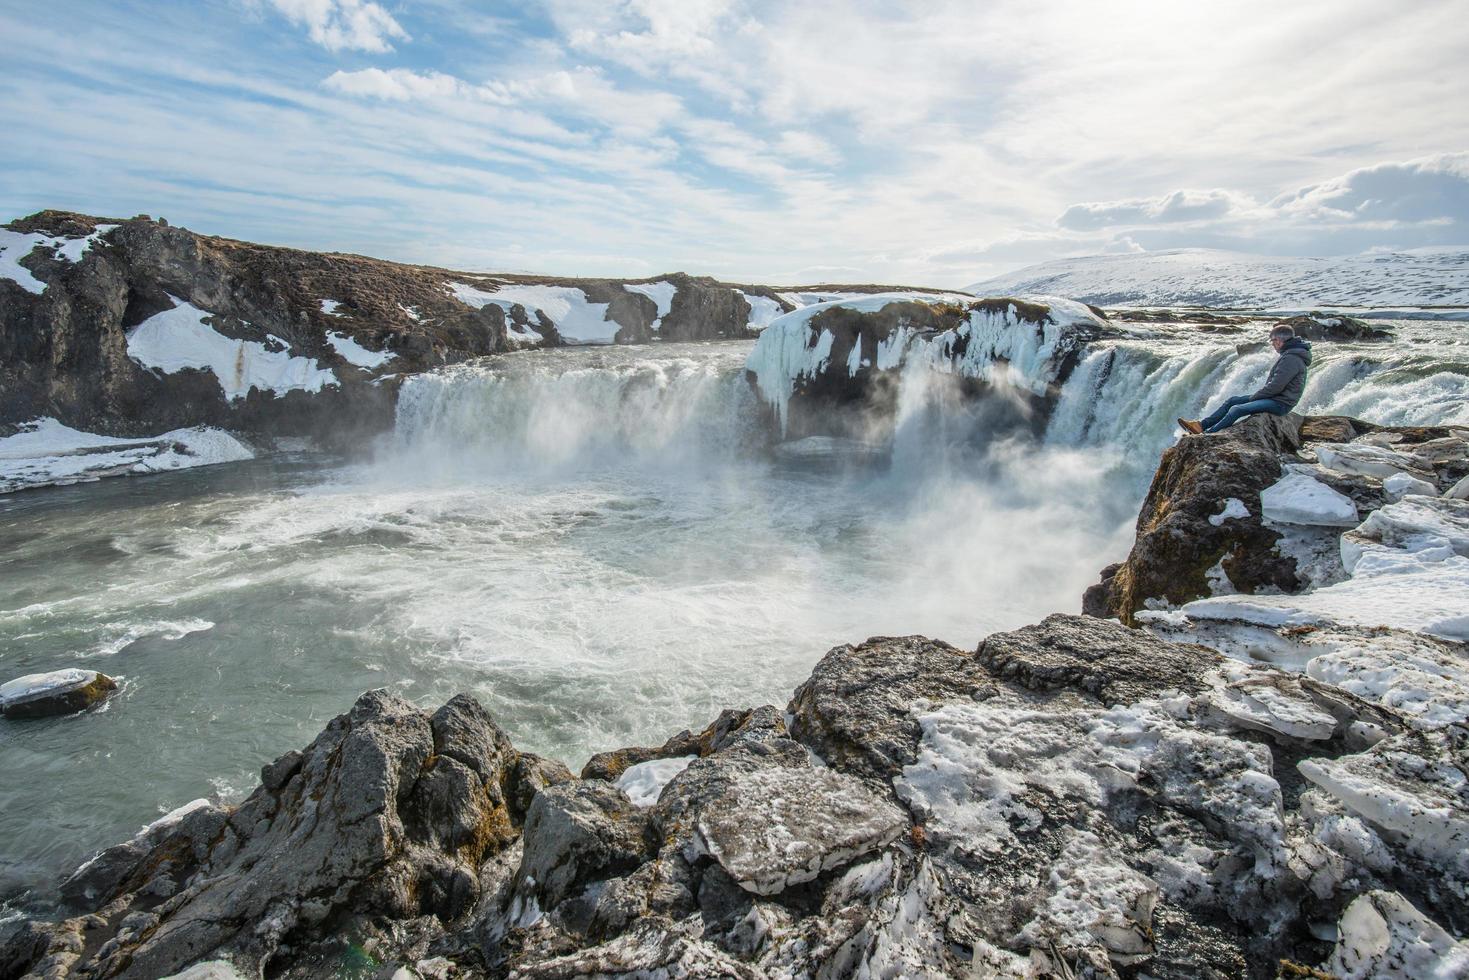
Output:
x,y
282,341
837,370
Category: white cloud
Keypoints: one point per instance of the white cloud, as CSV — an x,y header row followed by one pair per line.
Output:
x,y
1433,190
757,140
1183,205
396,84
338,25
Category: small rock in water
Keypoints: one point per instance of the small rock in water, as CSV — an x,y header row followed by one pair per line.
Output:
x,y
59,692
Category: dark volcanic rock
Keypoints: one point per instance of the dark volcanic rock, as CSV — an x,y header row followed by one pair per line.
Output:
x,y
855,709
720,733
1177,544
1317,326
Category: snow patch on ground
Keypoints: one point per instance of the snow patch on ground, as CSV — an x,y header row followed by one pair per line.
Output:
x,y
355,354
1409,568
1383,937
661,293
579,321
179,338
1365,460
1237,280
44,453
645,781
15,246
763,310
329,307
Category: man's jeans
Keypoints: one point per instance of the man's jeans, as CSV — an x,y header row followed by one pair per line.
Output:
x,y
1237,408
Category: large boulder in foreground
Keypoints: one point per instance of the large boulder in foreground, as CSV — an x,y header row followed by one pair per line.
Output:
x,y
387,814
59,692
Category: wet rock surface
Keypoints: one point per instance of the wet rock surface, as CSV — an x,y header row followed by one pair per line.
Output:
x,y
60,692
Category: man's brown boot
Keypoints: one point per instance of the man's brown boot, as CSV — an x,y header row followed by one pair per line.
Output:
x,y
1191,427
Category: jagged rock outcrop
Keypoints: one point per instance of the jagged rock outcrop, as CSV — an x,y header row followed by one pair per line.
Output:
x,y
1074,798
1317,326
1183,532
1260,507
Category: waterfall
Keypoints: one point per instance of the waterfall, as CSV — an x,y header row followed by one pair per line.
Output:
x,y
540,410
676,405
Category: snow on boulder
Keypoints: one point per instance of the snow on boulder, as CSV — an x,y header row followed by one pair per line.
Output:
x,y
1268,701
220,970
577,320
643,781
1401,485
59,692
1364,459
1301,499
179,338
763,310
1411,785
1234,509
1395,590
1431,527
1381,936
776,827
1423,680
1092,895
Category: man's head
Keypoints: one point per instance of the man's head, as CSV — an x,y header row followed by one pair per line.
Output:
x,y
1280,335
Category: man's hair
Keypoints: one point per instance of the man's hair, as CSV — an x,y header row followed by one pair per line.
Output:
x,y
1282,332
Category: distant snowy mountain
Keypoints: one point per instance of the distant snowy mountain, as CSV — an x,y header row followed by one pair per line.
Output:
x,y
1238,280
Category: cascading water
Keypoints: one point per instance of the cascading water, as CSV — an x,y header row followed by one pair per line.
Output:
x,y
593,542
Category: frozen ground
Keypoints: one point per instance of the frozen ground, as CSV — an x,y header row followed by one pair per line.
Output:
x,y
46,453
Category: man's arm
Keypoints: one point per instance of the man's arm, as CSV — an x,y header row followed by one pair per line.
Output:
x,y
1282,373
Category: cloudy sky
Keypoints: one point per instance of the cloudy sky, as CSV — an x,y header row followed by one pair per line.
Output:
x,y
925,142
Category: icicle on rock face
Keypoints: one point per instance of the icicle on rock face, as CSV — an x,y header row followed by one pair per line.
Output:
x,y
834,354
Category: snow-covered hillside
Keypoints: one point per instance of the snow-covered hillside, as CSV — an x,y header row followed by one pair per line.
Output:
x,y
1237,280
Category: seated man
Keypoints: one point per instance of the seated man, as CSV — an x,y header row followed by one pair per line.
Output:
x,y
1281,391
